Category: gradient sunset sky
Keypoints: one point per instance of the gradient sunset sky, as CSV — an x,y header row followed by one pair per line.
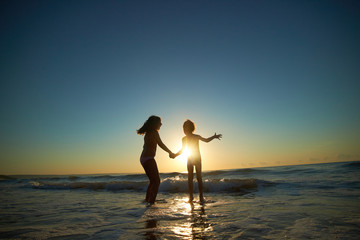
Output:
x,y
279,79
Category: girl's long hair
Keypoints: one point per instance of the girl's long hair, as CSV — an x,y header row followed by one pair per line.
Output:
x,y
149,125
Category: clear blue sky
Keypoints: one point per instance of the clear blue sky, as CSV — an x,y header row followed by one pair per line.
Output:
x,y
279,79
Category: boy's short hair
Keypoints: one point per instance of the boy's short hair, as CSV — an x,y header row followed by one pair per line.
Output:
x,y
189,126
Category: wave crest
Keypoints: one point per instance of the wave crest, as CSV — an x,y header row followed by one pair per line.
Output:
x,y
168,185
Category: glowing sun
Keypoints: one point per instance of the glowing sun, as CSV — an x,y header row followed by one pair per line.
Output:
x,y
184,155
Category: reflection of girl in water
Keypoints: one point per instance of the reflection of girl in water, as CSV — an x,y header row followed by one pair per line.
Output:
x,y
191,142
147,158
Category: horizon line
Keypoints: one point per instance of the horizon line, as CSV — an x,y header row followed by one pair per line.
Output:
x,y
228,169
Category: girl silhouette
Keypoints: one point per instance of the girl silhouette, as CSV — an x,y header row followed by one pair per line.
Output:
x,y
147,159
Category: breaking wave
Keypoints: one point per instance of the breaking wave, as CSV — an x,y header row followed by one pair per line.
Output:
x,y
168,185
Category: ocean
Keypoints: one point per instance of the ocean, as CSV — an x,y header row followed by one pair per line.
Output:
x,y
318,201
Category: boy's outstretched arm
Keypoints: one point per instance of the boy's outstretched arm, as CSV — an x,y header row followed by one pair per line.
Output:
x,y
218,136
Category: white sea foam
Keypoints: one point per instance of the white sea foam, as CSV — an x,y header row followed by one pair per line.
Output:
x,y
170,185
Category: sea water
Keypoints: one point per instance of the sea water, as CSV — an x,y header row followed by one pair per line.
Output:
x,y
319,201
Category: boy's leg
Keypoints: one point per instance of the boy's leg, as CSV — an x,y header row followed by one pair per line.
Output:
x,y
199,179
190,168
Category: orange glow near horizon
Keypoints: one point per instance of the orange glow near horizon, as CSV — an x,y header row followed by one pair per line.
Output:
x,y
120,154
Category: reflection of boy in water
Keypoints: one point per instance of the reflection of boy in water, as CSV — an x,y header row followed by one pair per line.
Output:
x,y
191,142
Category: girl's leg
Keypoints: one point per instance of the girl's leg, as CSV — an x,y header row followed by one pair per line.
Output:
x,y
190,168
148,192
152,172
199,179
147,169
145,166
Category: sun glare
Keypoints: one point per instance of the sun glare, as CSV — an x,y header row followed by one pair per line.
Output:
x,y
185,154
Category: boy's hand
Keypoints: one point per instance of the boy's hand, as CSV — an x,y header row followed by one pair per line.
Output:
x,y
172,155
218,136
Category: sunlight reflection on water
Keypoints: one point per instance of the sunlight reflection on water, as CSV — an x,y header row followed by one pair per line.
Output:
x,y
195,225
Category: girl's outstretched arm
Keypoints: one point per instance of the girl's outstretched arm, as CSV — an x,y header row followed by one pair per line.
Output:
x,y
218,136
161,144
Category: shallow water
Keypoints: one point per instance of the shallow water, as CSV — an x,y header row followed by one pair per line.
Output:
x,y
293,202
